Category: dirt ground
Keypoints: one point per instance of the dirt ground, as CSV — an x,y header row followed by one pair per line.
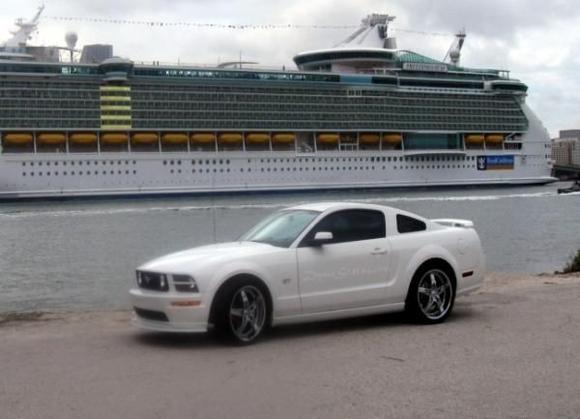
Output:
x,y
510,350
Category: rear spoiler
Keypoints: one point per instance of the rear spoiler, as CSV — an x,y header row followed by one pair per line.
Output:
x,y
450,222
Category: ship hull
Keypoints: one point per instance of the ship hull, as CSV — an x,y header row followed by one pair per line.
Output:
x,y
140,174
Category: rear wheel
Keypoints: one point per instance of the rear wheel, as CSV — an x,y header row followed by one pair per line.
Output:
x,y
431,295
242,312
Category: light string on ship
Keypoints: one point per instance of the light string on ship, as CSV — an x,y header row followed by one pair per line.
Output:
x,y
230,26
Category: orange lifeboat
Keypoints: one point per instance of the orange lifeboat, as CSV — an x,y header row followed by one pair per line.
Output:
x,y
474,139
175,138
114,138
230,138
328,139
393,138
144,138
283,138
52,138
494,138
83,138
17,139
369,139
203,138
257,138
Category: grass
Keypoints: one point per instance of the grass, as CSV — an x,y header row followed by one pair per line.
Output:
x,y
573,265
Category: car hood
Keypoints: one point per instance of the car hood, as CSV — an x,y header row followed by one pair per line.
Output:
x,y
203,256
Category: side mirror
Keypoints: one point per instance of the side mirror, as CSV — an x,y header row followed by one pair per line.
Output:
x,y
322,237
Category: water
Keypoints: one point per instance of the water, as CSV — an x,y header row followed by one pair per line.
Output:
x,y
82,255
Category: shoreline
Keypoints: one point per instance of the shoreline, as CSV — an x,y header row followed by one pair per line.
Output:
x,y
494,281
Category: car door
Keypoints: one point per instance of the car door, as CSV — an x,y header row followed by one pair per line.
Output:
x,y
349,271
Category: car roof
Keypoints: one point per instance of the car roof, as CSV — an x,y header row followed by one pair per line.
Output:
x,y
334,206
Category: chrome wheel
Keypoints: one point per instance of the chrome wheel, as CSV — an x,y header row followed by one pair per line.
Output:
x,y
434,294
247,313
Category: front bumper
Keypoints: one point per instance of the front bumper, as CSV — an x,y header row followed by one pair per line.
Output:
x,y
176,318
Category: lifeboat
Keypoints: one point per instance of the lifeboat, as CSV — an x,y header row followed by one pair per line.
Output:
x,y
83,138
144,138
369,139
393,138
230,138
257,138
328,139
283,138
17,139
114,138
175,138
203,138
51,138
494,138
474,139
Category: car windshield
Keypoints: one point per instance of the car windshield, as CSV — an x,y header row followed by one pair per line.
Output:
x,y
280,229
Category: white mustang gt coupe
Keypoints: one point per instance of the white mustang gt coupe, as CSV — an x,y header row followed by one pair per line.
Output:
x,y
310,263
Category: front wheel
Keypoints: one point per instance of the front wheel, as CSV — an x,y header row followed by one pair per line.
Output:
x,y
431,296
243,312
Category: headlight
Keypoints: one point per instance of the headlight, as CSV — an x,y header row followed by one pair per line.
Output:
x,y
185,283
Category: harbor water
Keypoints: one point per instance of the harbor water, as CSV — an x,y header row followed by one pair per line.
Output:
x,y
81,255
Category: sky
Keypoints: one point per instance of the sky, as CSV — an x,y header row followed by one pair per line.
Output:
x,y
538,41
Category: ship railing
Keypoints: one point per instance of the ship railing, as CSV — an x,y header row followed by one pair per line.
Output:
x,y
241,66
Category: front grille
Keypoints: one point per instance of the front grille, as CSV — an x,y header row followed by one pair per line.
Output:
x,y
152,281
151,315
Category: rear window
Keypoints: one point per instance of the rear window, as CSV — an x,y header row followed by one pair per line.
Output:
x,y
407,224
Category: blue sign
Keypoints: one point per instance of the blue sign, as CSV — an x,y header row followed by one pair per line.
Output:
x,y
495,162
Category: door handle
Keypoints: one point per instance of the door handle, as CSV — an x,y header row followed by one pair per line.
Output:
x,y
378,252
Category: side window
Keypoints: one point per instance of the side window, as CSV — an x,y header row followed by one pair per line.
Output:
x,y
409,225
351,226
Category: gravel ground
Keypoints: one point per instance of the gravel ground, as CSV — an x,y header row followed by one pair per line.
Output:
x,y
511,350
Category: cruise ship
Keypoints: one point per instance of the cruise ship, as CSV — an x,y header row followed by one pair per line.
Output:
x,y
362,114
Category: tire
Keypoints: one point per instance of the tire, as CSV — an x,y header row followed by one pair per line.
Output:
x,y
431,295
242,312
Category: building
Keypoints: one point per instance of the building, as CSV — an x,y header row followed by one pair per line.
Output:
x,y
566,148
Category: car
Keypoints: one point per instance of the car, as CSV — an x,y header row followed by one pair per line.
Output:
x,y
312,262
